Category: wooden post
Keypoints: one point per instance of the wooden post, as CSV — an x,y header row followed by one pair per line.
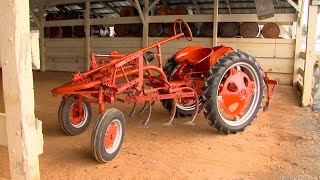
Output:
x,y
310,56
18,89
145,35
42,40
87,30
215,23
296,65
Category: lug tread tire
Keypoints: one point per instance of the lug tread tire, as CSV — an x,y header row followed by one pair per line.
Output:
x,y
209,95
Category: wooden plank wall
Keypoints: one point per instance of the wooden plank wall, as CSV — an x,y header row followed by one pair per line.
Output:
x,y
274,55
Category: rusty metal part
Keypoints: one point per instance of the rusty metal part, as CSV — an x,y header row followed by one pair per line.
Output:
x,y
249,29
265,9
270,30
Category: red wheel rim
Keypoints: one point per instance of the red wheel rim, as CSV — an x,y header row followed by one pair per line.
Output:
x,y
237,90
76,115
111,135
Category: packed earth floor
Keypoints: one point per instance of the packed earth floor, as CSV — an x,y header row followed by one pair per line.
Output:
x,y
283,143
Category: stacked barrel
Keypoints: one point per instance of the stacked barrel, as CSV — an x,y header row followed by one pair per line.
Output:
x,y
72,31
128,30
225,29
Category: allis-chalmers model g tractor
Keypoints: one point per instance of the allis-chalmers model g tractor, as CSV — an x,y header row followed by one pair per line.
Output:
x,y
227,85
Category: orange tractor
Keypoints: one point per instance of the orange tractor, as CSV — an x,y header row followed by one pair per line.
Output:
x,y
227,85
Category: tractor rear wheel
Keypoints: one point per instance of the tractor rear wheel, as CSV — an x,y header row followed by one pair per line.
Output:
x,y
183,110
233,92
71,120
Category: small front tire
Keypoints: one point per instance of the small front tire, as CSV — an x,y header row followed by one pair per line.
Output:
x,y
107,135
71,121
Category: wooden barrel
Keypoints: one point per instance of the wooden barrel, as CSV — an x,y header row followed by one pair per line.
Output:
x,y
135,30
207,29
60,16
50,17
67,31
182,10
121,30
78,31
164,10
270,30
55,32
127,11
155,29
249,29
229,29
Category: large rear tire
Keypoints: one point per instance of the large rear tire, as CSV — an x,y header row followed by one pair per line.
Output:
x,y
182,110
233,92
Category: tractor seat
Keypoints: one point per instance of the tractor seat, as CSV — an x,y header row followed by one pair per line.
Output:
x,y
196,56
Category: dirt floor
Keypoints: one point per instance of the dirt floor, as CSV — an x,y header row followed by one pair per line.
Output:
x,y
283,143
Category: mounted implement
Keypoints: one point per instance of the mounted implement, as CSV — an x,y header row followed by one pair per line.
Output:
x,y
226,84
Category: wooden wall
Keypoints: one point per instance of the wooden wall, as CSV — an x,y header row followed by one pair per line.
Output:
x,y
274,55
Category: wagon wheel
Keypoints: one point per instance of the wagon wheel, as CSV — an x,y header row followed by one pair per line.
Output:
x,y
73,120
233,93
107,135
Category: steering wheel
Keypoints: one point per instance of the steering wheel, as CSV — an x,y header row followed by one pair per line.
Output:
x,y
180,21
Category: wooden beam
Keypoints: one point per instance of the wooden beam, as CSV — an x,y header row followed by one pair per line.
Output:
x,y
228,6
87,31
301,72
140,13
194,2
132,3
155,2
35,18
298,44
35,52
145,34
310,56
42,40
294,5
215,23
111,7
3,133
18,89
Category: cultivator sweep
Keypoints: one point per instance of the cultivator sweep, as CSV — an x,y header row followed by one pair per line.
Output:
x,y
228,85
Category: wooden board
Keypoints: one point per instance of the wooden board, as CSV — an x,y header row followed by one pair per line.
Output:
x,y
3,132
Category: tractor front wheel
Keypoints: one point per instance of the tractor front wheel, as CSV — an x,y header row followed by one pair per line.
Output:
x,y
233,92
107,135
73,120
